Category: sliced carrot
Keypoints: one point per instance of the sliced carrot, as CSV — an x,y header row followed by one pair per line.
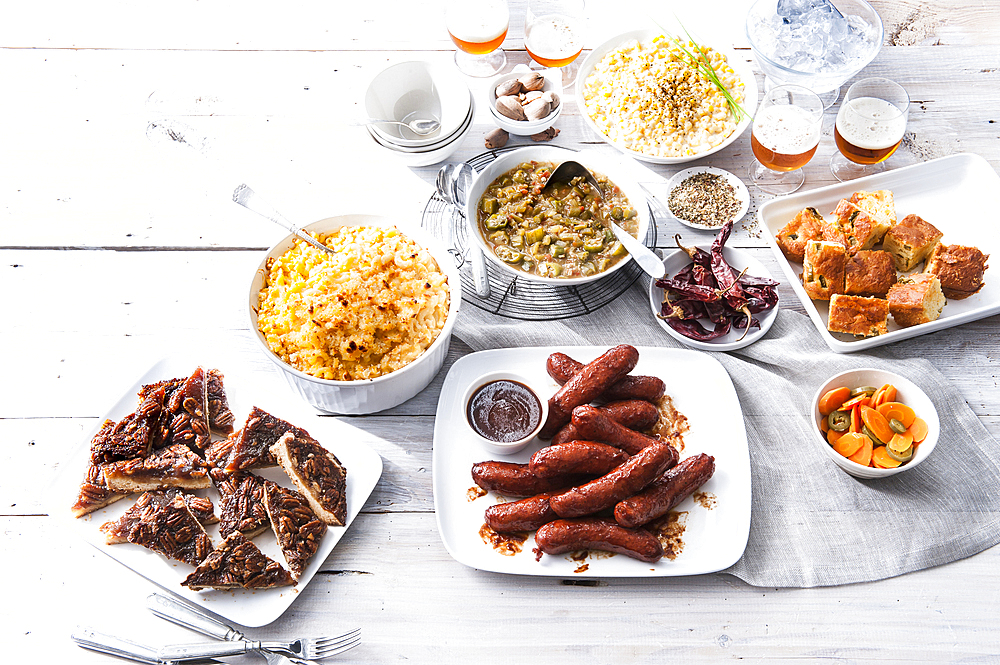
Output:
x,y
882,459
849,443
877,397
856,421
824,425
832,400
890,393
877,423
918,430
900,442
857,399
899,411
833,435
863,456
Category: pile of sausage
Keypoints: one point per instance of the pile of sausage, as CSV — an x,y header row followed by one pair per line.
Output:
x,y
599,460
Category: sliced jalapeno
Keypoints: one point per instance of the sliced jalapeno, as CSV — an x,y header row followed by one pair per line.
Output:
x,y
839,420
896,426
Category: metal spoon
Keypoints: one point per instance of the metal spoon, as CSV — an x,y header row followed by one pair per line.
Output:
x,y
647,260
250,200
419,127
452,183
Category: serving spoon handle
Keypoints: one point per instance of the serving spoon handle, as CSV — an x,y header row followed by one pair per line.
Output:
x,y
250,200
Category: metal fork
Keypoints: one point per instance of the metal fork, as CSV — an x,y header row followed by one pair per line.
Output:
x,y
236,642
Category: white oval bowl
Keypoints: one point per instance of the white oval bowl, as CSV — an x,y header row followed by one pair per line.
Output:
x,y
907,392
739,66
383,392
500,447
523,127
417,87
614,170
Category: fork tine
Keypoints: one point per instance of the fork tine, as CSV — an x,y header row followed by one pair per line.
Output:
x,y
323,647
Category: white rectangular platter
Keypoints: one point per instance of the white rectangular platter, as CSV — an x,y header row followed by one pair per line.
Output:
x,y
714,538
245,388
959,194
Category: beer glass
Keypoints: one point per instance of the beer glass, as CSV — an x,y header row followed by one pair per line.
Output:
x,y
553,34
478,28
785,135
870,126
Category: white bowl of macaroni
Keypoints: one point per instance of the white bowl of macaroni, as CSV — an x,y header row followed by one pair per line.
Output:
x,y
361,330
637,93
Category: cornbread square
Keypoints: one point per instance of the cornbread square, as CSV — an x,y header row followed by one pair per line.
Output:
x,y
916,299
959,268
879,204
911,241
870,272
792,238
823,269
858,315
861,230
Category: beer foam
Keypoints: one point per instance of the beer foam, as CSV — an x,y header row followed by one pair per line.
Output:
x,y
786,129
477,23
871,123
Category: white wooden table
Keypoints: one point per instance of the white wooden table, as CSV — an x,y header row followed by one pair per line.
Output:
x,y
124,128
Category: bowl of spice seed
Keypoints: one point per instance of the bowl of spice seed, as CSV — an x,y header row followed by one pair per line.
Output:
x,y
705,197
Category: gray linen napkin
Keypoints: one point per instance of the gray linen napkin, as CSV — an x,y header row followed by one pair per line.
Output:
x,y
811,523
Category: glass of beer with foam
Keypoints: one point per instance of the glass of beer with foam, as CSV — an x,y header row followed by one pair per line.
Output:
x,y
870,126
785,135
553,34
478,28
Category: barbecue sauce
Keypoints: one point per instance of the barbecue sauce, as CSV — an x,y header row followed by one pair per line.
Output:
x,y
504,411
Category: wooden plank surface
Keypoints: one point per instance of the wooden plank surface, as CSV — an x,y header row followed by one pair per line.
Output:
x,y
125,128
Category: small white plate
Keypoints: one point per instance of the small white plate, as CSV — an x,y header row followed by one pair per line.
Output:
x,y
731,341
245,387
741,193
713,539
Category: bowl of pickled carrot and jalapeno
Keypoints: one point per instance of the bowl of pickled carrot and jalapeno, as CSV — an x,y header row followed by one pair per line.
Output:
x,y
875,423
560,235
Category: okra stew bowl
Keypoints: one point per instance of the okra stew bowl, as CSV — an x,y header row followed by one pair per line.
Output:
x,y
559,240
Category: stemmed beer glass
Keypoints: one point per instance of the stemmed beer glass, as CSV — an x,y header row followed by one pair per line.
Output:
x,y
870,126
785,135
553,34
478,28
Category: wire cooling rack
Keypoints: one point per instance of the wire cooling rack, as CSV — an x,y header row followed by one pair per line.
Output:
x,y
516,298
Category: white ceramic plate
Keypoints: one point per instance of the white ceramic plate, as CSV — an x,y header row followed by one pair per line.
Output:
x,y
957,194
245,388
741,193
731,341
739,65
713,538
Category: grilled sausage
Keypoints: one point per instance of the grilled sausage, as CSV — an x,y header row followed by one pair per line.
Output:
x,y
637,414
650,388
665,492
523,515
511,479
584,386
592,425
628,479
595,533
587,457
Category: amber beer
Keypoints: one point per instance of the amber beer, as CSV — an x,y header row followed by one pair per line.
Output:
x,y
478,28
868,130
552,40
784,137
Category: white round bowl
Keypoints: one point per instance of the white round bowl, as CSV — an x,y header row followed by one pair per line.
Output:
x,y
739,65
501,447
523,127
383,392
417,89
817,82
907,392
395,147
427,156
613,169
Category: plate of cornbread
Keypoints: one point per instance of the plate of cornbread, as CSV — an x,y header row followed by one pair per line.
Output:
x,y
894,255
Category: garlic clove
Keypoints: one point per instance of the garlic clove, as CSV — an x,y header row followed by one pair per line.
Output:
x,y
537,109
551,97
511,87
509,106
532,81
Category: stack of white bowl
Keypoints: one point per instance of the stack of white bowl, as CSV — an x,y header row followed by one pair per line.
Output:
x,y
420,91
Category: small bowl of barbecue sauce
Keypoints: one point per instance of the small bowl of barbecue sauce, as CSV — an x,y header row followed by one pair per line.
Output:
x,y
504,412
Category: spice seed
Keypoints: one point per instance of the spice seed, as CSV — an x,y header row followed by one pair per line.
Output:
x,y
704,198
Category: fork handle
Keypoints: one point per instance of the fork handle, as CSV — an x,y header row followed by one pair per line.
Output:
x,y
89,638
201,650
185,615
